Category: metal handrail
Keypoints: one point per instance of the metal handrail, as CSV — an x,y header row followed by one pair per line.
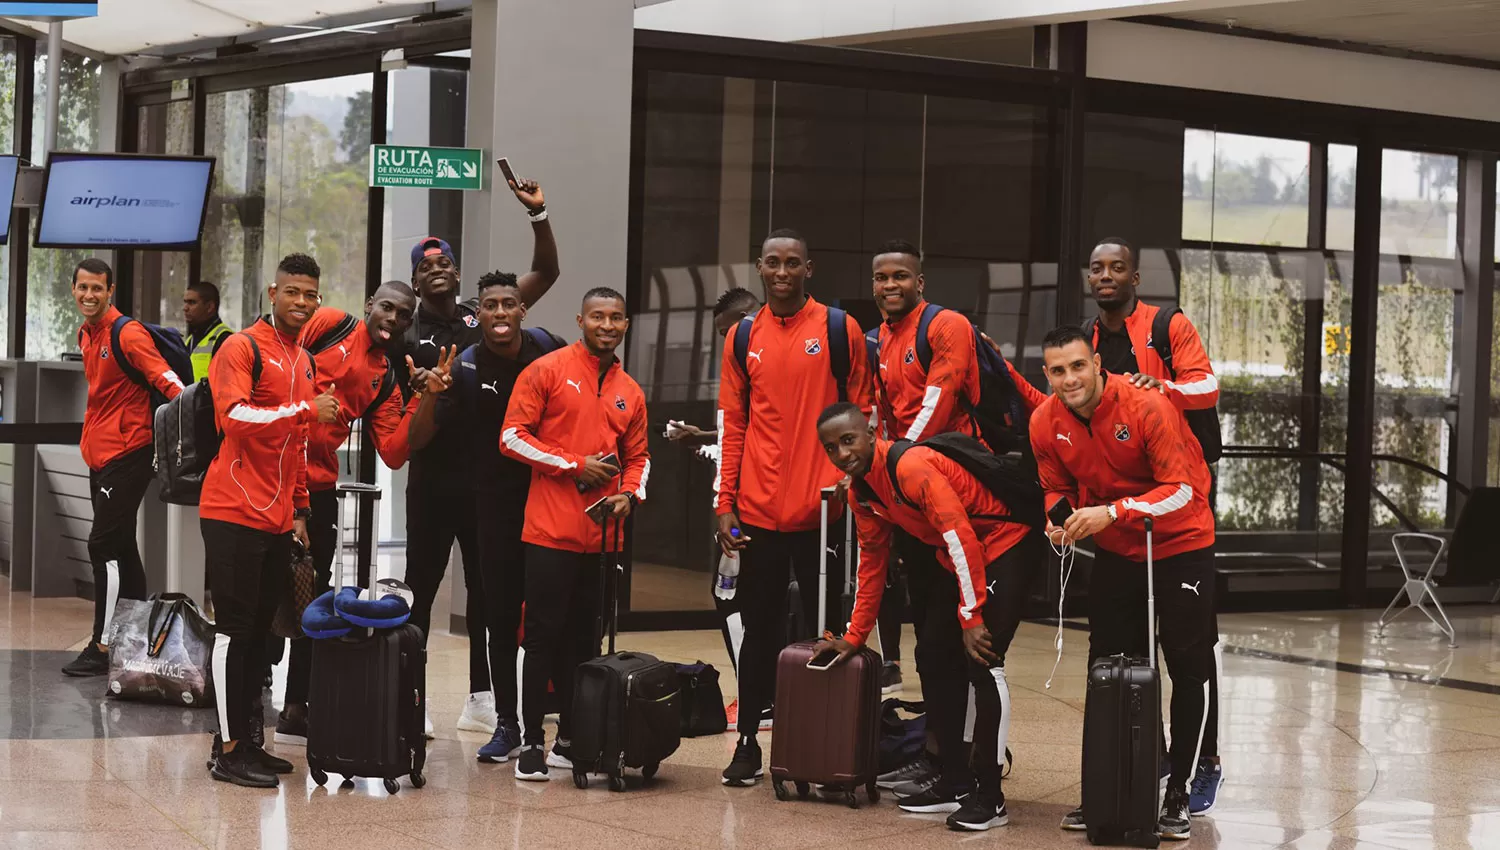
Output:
x,y
1337,460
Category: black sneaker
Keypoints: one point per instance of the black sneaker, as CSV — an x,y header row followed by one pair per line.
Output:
x,y
291,726
92,661
561,756
934,800
268,762
890,678
978,814
916,786
532,765
1073,821
745,768
1175,823
915,771
240,767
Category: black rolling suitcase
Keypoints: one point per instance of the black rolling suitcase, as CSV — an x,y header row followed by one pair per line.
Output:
x,y
367,701
1121,725
626,711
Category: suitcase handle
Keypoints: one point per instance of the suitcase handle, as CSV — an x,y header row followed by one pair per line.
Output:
x,y
1150,598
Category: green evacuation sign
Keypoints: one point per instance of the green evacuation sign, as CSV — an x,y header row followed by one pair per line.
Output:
x,y
397,166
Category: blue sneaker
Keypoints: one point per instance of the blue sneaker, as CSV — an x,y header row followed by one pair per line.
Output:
x,y
1205,790
505,743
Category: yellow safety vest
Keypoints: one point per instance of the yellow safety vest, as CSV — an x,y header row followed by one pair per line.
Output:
x,y
203,350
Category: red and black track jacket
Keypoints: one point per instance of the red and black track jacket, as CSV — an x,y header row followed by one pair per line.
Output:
x,y
118,418
355,368
260,473
1196,387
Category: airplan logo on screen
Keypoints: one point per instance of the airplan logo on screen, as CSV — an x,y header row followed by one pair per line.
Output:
x,y
89,199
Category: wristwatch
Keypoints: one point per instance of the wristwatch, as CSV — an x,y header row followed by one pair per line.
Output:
x,y
634,502
302,513
1113,516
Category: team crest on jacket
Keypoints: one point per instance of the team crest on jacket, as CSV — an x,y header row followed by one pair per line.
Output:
x,y
911,355
375,383
619,402
812,346
471,321
1122,433
104,354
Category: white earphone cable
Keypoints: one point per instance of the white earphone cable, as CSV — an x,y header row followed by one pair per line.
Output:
x,y
1066,554
281,456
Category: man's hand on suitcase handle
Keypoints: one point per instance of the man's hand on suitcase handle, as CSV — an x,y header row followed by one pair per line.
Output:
x,y
619,504
977,644
731,540
829,643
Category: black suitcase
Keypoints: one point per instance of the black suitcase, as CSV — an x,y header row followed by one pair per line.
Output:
x,y
1121,727
626,710
367,700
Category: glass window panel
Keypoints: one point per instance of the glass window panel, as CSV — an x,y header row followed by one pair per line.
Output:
x,y
1250,190
51,316
7,145
1339,232
1419,204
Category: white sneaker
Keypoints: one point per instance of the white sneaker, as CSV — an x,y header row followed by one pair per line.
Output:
x,y
428,731
479,714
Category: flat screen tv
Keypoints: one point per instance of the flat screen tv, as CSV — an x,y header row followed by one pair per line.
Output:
x,y
121,200
9,165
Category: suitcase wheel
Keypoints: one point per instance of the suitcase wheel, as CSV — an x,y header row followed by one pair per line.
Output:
x,y
392,786
850,799
347,783
780,787
804,790
617,783
319,776
580,780
418,780
649,771
873,792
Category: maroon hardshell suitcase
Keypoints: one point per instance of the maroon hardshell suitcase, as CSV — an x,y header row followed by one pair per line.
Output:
x,y
827,721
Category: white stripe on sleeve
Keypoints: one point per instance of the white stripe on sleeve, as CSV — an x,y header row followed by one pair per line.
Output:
x,y
1204,386
640,490
263,415
1173,502
527,450
172,377
924,416
961,569
719,457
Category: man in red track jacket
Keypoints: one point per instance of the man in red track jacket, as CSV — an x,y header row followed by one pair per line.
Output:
x,y
916,403
1122,336
772,472
117,447
992,561
569,410
352,359
254,500
1118,454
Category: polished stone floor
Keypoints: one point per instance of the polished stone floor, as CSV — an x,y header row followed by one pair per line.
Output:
x,y
1333,738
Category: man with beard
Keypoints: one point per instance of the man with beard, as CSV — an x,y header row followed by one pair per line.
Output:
x,y
434,518
351,358
254,502
571,409
485,376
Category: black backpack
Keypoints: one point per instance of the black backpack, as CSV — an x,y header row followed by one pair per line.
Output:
x,y
1204,423
1010,477
186,438
169,344
1000,412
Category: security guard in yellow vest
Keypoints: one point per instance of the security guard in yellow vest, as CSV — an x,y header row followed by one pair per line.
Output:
x,y
206,331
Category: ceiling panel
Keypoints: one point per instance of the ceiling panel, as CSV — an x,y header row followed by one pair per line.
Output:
x,y
1469,28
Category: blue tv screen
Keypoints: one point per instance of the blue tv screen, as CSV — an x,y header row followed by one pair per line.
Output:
x,y
8,167
105,200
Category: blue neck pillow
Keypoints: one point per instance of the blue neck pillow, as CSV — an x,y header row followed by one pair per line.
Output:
x,y
387,612
320,620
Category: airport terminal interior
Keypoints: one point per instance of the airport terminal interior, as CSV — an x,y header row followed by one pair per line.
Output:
x,y
1313,182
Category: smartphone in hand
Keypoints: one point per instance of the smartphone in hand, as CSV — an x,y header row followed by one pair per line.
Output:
x,y
506,171
823,660
600,511
1060,512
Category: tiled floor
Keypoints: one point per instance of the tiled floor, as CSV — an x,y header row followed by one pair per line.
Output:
x,y
1317,759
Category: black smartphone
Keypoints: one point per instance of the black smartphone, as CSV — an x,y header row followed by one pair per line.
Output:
x,y
612,459
823,660
1060,512
505,170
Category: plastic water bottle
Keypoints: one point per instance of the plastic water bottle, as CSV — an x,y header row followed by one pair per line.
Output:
x,y
729,572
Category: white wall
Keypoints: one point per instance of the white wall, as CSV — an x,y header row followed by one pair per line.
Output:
x,y
1149,54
